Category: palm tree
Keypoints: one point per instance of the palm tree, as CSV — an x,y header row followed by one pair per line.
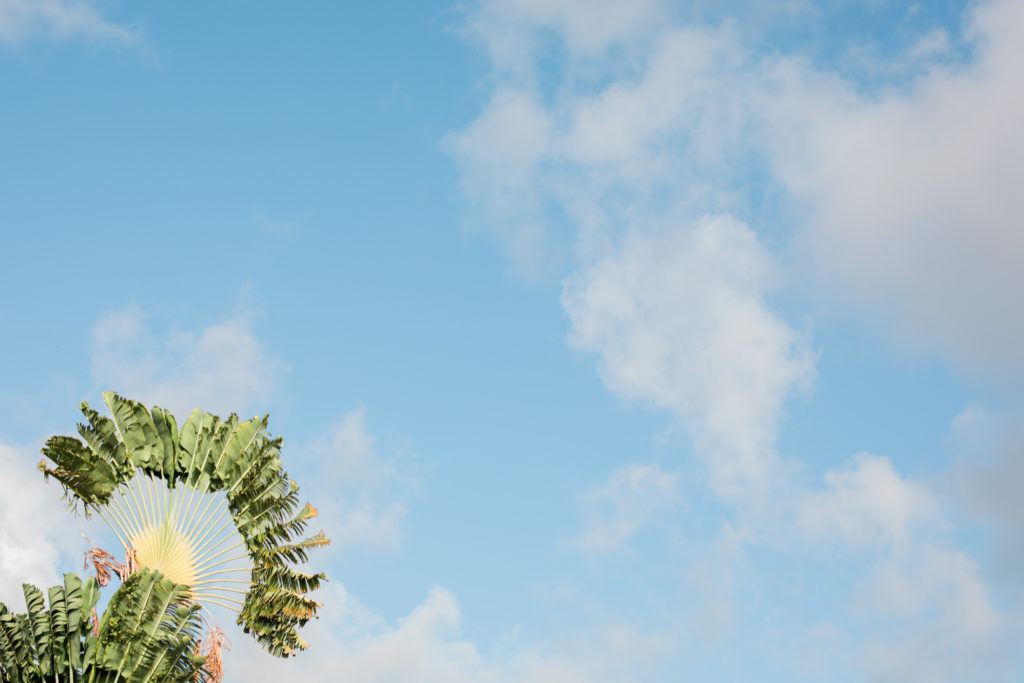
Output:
x,y
206,515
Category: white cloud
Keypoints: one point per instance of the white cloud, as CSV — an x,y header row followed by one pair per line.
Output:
x,y
59,20
352,454
36,530
681,320
422,646
925,609
222,368
632,497
499,153
360,491
868,503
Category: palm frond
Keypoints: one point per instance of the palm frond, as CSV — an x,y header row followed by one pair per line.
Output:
x,y
148,630
48,641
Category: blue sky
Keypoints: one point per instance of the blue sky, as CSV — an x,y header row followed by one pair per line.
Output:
x,y
640,341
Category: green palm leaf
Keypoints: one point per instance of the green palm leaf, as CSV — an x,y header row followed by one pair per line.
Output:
x,y
48,642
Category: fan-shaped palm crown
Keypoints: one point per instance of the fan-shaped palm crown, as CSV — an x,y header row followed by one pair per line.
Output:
x,y
208,505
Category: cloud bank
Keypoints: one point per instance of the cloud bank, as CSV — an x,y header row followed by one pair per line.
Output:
x,y
631,157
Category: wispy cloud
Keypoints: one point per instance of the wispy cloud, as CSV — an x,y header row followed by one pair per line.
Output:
x,y
275,226
221,368
60,20
633,497
362,492
499,154
510,29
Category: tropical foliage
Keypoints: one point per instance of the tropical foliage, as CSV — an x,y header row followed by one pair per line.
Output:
x,y
147,634
206,515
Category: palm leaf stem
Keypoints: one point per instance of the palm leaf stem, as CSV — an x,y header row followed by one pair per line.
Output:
x,y
203,571
129,513
200,561
218,589
227,571
243,581
188,506
154,500
139,509
127,524
212,594
214,601
165,539
225,534
115,530
201,519
201,541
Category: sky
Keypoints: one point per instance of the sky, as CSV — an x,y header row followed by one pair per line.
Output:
x,y
648,341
